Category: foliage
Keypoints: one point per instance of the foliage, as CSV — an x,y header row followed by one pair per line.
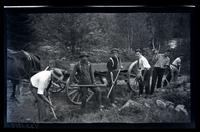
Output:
x,y
18,31
67,34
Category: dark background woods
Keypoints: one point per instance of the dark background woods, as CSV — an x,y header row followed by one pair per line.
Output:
x,y
58,38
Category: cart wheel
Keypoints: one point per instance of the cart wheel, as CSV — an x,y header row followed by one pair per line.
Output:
x,y
132,82
57,86
74,94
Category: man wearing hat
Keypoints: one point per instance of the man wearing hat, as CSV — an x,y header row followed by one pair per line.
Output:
x,y
85,76
144,73
160,67
176,67
113,66
174,70
39,86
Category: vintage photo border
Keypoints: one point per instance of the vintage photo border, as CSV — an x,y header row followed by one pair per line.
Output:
x,y
112,9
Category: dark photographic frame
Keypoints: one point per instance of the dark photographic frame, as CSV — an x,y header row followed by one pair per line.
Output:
x,y
113,9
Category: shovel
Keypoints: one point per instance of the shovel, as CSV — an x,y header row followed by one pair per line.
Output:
x,y
54,114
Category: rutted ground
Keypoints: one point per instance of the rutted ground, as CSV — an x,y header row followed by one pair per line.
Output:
x,y
140,110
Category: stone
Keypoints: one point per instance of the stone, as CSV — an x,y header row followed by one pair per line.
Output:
x,y
171,107
168,103
147,105
131,106
161,104
181,108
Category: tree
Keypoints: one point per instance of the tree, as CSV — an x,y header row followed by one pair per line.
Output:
x,y
168,26
132,28
18,30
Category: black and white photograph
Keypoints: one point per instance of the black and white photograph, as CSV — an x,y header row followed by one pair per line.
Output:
x,y
97,67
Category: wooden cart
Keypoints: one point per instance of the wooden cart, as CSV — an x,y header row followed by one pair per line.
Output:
x,y
127,76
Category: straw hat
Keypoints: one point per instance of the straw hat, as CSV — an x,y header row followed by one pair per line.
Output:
x,y
114,50
57,73
138,50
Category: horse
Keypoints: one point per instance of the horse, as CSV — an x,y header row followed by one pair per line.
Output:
x,y
21,65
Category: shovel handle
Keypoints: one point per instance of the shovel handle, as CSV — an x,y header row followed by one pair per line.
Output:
x,y
54,114
98,85
113,84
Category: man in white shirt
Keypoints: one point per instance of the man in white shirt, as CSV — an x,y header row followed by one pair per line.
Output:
x,y
162,63
175,68
40,84
144,73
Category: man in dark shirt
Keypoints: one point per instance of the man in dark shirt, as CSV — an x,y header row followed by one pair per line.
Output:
x,y
113,65
160,67
85,76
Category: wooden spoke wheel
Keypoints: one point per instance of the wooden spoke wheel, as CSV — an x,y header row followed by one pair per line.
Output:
x,y
57,86
74,94
132,81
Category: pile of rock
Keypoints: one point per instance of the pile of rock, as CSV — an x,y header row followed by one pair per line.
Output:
x,y
181,108
133,107
171,106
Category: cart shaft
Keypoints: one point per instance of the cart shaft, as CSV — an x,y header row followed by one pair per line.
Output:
x,y
98,85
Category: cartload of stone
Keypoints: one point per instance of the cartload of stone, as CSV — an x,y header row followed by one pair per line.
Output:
x,y
160,103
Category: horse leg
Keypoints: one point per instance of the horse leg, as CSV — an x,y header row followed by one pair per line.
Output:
x,y
13,91
13,95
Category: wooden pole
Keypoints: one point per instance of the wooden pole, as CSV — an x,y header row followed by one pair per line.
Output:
x,y
113,84
54,114
97,85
